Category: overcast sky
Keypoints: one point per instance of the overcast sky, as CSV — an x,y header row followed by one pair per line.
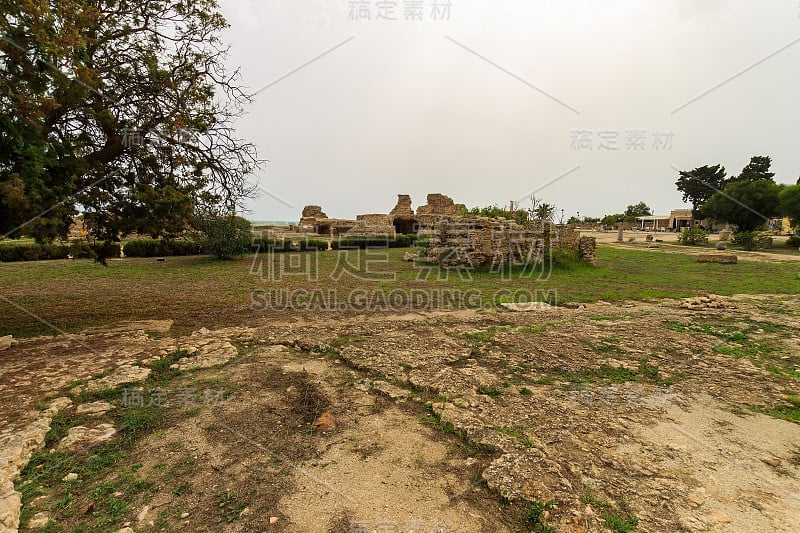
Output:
x,y
504,97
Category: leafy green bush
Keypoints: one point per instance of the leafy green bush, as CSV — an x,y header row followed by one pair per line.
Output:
x,y
159,247
43,252
793,241
693,237
226,236
752,240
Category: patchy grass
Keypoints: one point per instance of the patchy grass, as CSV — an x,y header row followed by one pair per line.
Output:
x,y
789,411
202,292
490,391
533,516
518,433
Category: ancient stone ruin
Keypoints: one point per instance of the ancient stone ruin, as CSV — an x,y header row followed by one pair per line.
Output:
x,y
455,238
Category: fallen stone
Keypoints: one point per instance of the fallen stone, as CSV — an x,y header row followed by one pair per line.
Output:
x,y
771,461
58,404
82,436
72,476
325,422
392,391
408,256
94,408
722,246
273,520
39,520
6,342
723,259
526,306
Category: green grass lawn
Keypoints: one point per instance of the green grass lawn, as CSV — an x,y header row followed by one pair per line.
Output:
x,y
200,291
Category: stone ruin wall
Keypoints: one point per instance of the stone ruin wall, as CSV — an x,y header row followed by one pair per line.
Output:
x,y
455,237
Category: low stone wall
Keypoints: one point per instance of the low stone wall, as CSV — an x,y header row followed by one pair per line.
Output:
x,y
482,242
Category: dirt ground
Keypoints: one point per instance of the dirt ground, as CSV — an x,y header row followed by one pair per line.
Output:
x,y
670,415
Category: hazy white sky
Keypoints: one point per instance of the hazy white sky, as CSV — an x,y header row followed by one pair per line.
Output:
x,y
486,106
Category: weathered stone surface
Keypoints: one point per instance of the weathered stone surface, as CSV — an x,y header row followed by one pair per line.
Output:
x,y
207,351
724,259
10,506
94,408
527,306
125,373
721,246
82,436
15,452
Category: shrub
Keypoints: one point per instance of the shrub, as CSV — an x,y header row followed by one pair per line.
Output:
x,y
693,237
43,252
158,248
226,236
752,240
793,241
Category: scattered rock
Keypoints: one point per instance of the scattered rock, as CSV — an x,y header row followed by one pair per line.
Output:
x,y
72,476
184,515
273,520
771,461
722,246
409,256
6,342
58,404
39,520
142,516
325,422
707,301
125,530
82,436
94,408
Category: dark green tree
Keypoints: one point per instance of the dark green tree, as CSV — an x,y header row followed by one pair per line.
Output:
x,y
756,169
700,184
790,203
638,210
121,108
748,204
225,236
